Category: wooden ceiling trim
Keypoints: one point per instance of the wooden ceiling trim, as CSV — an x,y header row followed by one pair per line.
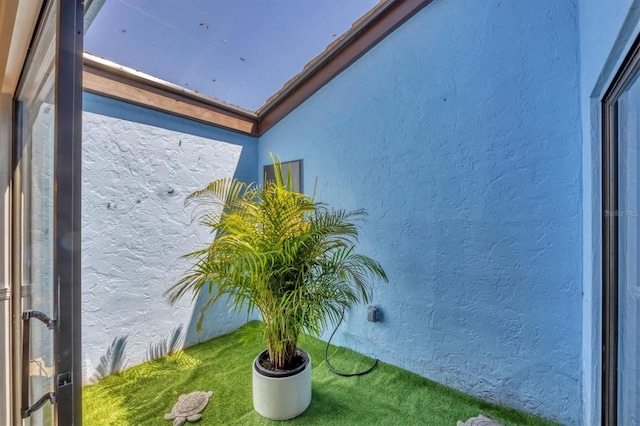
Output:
x,y
136,91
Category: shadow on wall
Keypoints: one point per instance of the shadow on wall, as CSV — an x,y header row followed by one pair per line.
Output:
x,y
138,166
115,360
216,318
219,319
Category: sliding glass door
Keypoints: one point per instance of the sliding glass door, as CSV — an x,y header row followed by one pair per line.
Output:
x,y
628,239
621,254
46,222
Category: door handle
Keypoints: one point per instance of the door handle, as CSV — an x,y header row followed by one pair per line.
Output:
x,y
50,396
26,410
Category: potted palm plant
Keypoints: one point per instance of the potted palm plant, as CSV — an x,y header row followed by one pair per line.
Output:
x,y
288,256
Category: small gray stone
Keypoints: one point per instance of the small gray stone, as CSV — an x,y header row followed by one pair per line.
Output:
x,y
479,421
188,407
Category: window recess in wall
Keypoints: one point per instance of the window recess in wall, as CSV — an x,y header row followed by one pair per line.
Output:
x,y
293,167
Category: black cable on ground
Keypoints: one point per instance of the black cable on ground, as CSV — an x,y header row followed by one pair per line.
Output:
x,y
326,356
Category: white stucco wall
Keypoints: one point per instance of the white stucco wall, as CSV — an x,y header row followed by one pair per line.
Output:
x,y
135,230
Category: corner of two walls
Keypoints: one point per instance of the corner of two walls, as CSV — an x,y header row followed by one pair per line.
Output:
x,y
460,135
138,167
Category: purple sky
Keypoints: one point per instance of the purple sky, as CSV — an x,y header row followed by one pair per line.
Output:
x,y
239,51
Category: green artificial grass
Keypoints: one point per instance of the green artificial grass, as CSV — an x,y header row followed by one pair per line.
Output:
x,y
387,396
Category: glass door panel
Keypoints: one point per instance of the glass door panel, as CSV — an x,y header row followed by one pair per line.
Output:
x,y
35,112
628,255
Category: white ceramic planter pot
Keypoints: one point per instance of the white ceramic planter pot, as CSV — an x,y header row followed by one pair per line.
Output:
x,y
282,398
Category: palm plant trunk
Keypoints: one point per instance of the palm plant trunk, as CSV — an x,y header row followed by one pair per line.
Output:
x,y
281,353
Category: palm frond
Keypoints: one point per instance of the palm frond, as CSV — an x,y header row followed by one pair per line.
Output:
x,y
281,252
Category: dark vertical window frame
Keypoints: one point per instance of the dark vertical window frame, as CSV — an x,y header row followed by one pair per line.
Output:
x,y
609,267
16,260
67,268
628,71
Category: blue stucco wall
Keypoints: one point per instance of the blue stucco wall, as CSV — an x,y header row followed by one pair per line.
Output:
x,y
460,134
607,29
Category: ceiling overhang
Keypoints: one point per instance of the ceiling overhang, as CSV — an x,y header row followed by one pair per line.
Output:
x,y
112,80
17,23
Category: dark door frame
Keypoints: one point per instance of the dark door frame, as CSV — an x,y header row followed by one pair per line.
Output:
x,y
67,206
625,76
67,267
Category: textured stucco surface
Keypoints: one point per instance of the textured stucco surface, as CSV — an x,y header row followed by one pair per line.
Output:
x,y
460,134
138,166
607,29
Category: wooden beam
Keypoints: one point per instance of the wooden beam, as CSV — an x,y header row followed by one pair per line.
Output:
x,y
113,85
